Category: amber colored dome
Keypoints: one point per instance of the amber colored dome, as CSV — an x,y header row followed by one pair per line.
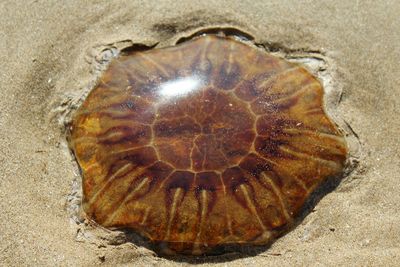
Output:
x,y
208,143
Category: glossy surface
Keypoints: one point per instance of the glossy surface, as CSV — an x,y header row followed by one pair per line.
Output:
x,y
205,144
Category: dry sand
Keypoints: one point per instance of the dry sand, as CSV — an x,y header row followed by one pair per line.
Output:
x,y
45,50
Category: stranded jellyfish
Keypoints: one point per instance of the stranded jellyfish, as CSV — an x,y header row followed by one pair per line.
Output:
x,y
206,144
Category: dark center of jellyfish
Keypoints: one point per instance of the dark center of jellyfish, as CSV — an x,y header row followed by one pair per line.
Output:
x,y
206,130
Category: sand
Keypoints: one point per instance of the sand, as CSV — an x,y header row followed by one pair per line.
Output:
x,y
46,50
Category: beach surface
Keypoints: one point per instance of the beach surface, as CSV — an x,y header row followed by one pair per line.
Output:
x,y
48,52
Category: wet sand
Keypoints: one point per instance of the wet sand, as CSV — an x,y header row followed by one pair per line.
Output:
x,y
47,54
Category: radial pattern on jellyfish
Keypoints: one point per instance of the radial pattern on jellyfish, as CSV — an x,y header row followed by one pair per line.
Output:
x,y
208,143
